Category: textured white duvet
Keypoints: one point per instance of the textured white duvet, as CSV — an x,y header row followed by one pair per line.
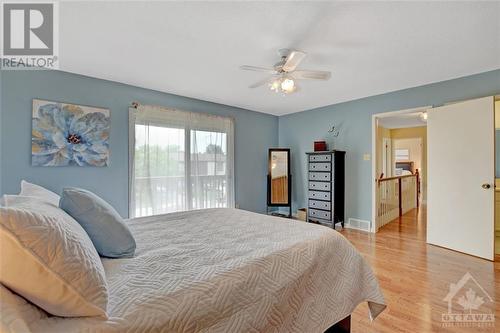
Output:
x,y
221,270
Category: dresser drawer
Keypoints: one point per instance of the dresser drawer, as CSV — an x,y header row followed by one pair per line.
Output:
x,y
320,214
316,195
320,221
321,176
325,205
322,186
320,166
320,158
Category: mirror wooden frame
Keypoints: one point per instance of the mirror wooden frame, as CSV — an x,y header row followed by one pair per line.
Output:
x,y
289,181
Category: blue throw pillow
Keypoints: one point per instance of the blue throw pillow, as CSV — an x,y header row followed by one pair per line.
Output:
x,y
103,224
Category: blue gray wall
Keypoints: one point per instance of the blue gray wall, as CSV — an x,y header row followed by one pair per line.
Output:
x,y
299,130
254,134
1,155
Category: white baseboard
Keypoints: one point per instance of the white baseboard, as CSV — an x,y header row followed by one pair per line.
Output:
x,y
358,224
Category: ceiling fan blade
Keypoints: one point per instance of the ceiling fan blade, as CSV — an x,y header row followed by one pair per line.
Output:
x,y
258,69
293,60
311,75
262,82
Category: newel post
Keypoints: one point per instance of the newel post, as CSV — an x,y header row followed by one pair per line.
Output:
x,y
417,183
400,197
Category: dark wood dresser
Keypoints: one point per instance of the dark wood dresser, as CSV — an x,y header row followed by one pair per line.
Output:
x,y
326,187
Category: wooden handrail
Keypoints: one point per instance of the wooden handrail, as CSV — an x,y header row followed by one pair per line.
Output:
x,y
396,195
399,179
395,177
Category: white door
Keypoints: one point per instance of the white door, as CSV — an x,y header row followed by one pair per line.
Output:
x,y
461,177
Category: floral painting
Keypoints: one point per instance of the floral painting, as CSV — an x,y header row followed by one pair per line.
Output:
x,y
68,134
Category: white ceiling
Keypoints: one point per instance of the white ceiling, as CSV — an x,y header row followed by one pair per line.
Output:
x,y
194,49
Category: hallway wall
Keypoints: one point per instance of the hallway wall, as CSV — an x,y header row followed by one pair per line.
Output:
x,y
410,133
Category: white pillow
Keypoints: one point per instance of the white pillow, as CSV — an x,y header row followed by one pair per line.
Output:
x,y
47,258
17,313
33,190
8,200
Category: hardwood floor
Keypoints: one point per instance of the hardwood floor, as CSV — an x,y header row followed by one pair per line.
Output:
x,y
415,278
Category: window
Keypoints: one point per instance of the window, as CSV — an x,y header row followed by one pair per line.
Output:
x,y
402,154
179,161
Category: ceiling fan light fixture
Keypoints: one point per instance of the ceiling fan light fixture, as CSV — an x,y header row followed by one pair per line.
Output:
x,y
287,85
283,85
284,74
275,85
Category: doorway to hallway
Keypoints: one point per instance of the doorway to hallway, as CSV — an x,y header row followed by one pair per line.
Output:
x,y
399,163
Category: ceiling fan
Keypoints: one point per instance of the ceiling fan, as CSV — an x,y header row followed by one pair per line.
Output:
x,y
283,75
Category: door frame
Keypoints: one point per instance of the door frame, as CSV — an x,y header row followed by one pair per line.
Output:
x,y
387,145
375,117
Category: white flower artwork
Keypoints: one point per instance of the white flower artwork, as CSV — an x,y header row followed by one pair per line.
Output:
x,y
69,135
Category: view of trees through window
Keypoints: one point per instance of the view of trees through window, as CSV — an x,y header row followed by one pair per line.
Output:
x,y
164,161
160,170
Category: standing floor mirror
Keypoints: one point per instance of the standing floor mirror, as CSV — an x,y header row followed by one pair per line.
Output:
x,y
279,180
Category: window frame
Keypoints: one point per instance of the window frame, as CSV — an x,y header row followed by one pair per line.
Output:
x,y
188,127
401,160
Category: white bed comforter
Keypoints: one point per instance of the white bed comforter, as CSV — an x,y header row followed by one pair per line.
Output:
x,y
221,270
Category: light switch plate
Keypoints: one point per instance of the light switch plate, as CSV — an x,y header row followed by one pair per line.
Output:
x,y
366,157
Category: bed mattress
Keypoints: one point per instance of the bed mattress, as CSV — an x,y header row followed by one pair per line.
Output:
x,y
221,270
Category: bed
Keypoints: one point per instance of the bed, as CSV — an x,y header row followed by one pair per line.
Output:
x,y
221,270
